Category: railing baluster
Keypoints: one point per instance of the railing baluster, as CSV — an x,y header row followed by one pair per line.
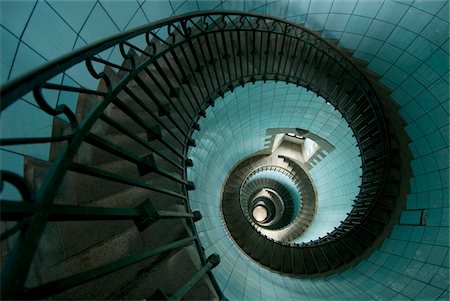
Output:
x,y
57,87
316,65
211,262
180,86
275,54
225,56
293,58
34,140
203,56
185,80
137,49
282,53
167,96
240,54
136,138
13,230
303,61
66,283
151,113
219,58
144,164
193,72
212,61
150,129
253,53
247,54
15,211
102,174
233,55
105,62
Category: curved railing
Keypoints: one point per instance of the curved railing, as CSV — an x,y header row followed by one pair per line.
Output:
x,y
309,61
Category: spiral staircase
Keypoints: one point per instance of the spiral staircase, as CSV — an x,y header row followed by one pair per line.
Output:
x,y
108,216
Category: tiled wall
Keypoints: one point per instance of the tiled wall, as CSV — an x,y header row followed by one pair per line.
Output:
x,y
236,127
404,41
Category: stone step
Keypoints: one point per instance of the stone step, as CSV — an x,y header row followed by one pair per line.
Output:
x,y
127,242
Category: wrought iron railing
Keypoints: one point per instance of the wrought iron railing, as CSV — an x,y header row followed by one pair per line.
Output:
x,y
173,43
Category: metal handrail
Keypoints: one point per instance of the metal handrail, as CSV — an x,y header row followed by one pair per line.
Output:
x,y
181,30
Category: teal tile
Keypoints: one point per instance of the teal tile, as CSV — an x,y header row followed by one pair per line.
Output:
x,y
415,20
14,163
408,63
431,7
434,217
66,10
401,38
25,120
410,250
332,35
442,236
445,46
14,15
98,26
411,217
397,76
429,293
9,44
401,97
349,40
427,101
186,7
380,30
121,12
413,288
344,7
389,53
438,62
26,61
176,4
156,10
278,8
391,12
319,7
138,19
336,22
439,89
296,8
422,48
412,269
443,13
227,5
316,22
358,25
439,117
255,6
416,236
298,19
48,34
425,75
369,45
412,87
367,8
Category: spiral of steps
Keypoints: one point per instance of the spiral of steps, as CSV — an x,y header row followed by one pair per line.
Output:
x,y
272,195
239,188
144,133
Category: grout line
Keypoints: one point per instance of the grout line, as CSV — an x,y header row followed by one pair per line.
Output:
x,y
20,41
